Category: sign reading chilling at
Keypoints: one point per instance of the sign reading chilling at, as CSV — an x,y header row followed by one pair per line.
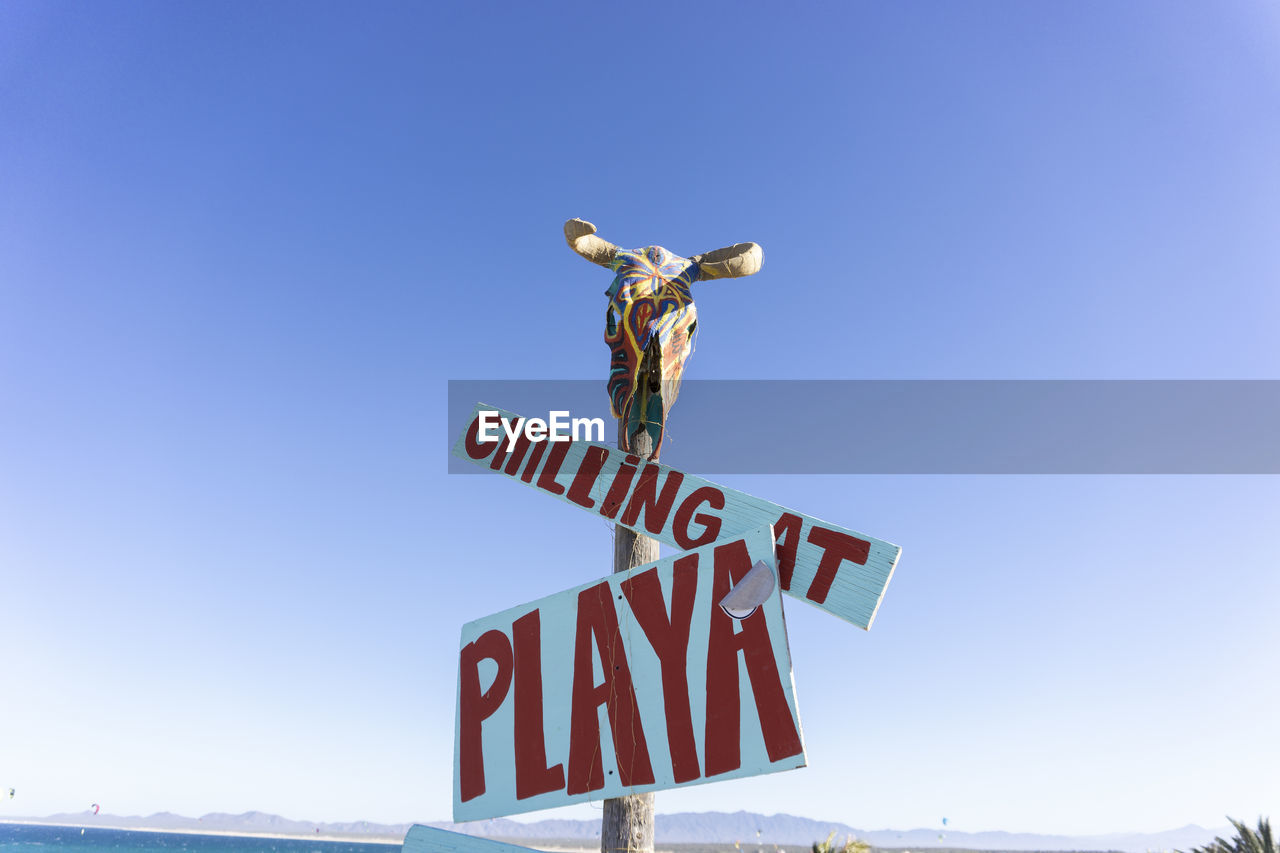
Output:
x,y
831,567
633,683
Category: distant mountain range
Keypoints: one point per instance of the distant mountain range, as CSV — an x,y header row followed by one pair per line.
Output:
x,y
751,829
687,828
247,823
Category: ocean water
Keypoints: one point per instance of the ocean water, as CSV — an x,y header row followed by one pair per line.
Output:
x,y
15,838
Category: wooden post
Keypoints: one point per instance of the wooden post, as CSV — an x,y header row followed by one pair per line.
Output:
x,y
627,826
627,823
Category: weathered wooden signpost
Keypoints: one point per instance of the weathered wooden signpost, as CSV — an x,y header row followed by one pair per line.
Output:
x,y
649,326
663,653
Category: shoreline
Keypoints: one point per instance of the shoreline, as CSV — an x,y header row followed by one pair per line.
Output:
x,y
371,838
355,838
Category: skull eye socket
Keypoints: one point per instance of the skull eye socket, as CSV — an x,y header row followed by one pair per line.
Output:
x,y
610,322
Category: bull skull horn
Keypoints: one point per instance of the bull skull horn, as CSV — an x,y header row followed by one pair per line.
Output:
x,y
731,262
581,237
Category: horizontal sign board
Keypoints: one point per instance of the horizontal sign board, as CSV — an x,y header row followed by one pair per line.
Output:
x,y
832,567
428,839
633,683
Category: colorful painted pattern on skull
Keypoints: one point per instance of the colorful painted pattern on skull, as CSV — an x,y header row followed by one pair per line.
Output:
x,y
650,311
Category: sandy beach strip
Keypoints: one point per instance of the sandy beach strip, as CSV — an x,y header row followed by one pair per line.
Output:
x,y
388,840
396,840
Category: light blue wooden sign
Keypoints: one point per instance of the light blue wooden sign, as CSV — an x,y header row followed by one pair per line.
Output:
x,y
632,683
428,839
832,567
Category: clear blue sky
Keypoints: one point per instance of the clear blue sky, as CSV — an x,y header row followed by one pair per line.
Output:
x,y
244,246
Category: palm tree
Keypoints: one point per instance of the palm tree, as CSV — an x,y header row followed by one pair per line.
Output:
x,y
851,845
1246,840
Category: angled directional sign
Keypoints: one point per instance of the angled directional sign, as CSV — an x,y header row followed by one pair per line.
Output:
x,y
832,567
632,683
428,839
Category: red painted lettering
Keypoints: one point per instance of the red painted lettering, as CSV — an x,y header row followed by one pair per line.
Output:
x,y
516,456
547,480
723,731
618,488
645,498
592,461
475,706
475,448
533,776
786,536
669,637
714,498
498,458
837,547
539,448
598,628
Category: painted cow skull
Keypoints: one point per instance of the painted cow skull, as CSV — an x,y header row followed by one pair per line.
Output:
x,y
651,320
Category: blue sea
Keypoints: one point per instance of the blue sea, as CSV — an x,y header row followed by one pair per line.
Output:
x,y
18,838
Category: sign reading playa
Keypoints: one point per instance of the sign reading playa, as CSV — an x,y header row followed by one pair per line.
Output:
x,y
669,672
655,649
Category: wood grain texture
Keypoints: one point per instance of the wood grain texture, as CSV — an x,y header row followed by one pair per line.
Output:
x,y
626,824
